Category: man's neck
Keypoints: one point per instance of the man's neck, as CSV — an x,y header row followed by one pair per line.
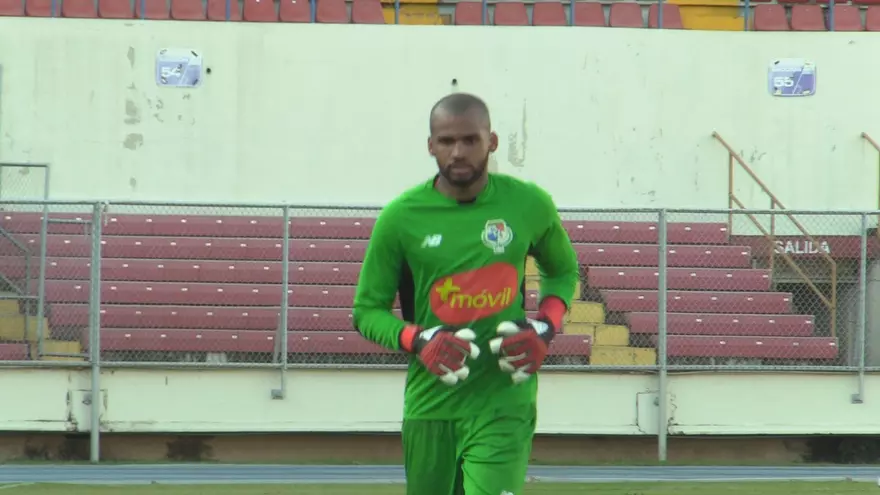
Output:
x,y
461,194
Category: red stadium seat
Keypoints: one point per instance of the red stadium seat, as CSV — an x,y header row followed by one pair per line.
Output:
x,y
751,347
468,13
589,14
152,9
259,11
332,12
699,301
847,18
297,342
648,255
367,12
723,324
679,278
213,284
866,2
13,8
194,248
217,10
548,13
294,11
181,10
671,16
200,226
13,352
646,232
85,9
872,18
770,18
511,13
115,9
42,8
626,15
807,18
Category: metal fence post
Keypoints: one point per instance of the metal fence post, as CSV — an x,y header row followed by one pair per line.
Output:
x,y
41,280
285,299
662,421
95,334
859,398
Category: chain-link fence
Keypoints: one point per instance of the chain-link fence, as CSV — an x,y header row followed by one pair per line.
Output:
x,y
137,284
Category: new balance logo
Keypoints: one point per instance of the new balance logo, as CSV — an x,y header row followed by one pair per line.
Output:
x,y
432,240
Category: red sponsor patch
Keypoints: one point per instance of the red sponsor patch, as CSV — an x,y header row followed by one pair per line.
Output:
x,y
468,296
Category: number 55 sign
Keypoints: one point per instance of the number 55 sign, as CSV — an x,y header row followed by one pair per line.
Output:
x,y
791,77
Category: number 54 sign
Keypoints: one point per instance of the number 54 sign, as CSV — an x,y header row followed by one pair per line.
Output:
x,y
791,77
179,68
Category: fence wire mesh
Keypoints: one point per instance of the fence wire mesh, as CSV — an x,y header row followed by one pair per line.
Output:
x,y
205,284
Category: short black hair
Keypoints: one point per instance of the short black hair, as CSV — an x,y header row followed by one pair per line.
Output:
x,y
458,104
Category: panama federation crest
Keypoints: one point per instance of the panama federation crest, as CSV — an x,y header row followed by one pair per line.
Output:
x,y
497,235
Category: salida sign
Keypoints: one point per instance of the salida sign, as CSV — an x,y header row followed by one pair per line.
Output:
x,y
802,246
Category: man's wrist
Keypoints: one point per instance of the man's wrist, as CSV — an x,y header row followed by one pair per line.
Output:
x,y
407,337
552,310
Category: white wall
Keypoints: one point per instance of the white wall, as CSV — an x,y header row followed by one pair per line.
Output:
x,y
601,117
333,400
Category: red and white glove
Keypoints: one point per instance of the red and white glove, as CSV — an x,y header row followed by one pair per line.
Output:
x,y
522,345
444,350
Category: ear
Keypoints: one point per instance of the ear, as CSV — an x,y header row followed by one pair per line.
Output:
x,y
430,146
493,142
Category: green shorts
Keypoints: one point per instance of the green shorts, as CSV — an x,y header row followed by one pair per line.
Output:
x,y
483,455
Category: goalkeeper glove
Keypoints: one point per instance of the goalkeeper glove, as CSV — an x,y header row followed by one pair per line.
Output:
x,y
442,349
522,345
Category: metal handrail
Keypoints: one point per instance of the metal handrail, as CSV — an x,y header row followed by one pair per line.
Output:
x,y
830,302
876,146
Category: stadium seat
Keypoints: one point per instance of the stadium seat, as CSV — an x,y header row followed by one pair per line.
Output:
x,y
626,15
184,283
698,301
14,8
723,324
152,9
866,2
42,8
367,12
115,9
331,12
751,347
807,18
468,13
770,17
646,232
589,14
872,18
85,9
671,16
181,10
259,11
603,277
222,10
548,13
511,13
648,255
13,352
294,11
847,18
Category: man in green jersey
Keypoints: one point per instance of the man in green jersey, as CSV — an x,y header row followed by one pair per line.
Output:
x,y
453,250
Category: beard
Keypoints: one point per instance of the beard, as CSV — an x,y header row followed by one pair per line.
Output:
x,y
464,174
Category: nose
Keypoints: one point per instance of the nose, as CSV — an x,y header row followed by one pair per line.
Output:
x,y
458,150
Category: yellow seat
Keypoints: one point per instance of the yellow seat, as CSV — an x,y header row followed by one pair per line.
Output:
x,y
415,13
601,335
622,356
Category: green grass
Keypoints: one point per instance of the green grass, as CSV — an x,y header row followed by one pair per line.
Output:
x,y
745,488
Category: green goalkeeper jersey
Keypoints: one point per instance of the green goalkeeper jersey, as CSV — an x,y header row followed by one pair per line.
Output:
x,y
461,264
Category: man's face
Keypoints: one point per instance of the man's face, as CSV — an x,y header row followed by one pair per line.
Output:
x,y
461,145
